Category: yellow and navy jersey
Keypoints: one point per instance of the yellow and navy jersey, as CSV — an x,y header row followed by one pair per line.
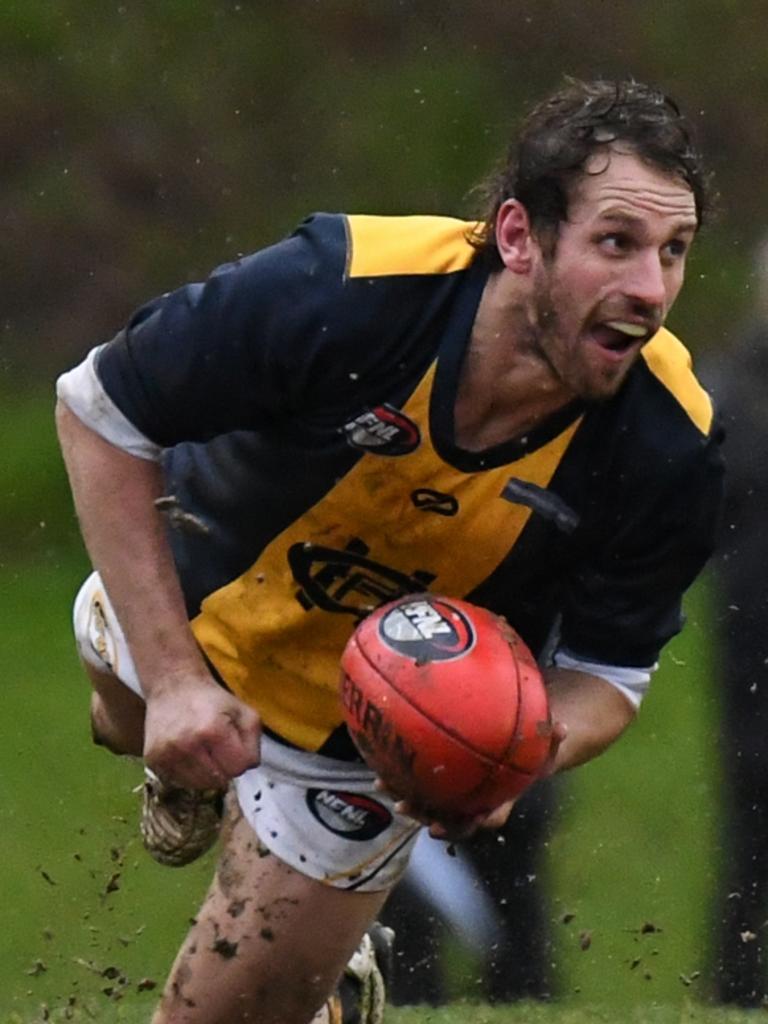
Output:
x,y
304,398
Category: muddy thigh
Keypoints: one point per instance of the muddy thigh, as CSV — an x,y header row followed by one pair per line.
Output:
x,y
268,943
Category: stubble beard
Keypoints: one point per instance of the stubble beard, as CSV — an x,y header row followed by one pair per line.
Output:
x,y
574,374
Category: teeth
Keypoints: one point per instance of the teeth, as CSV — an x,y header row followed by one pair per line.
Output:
x,y
633,330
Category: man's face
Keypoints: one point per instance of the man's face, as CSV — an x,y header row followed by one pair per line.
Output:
x,y
617,268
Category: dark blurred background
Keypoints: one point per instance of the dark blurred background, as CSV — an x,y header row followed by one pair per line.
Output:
x,y
145,143
142,144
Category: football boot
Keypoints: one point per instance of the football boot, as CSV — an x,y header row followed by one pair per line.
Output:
x,y
178,825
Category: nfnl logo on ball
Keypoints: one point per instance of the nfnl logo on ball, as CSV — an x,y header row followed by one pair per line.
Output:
x,y
427,629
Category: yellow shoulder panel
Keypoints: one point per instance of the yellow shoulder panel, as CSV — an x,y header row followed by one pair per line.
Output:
x,y
407,245
670,362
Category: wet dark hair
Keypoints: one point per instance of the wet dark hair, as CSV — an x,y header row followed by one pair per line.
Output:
x,y
559,135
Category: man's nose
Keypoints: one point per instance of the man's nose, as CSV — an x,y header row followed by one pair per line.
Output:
x,y
645,281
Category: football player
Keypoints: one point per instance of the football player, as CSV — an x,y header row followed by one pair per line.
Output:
x,y
375,406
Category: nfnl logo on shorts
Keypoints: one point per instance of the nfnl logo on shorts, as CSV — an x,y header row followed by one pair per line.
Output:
x,y
427,629
351,815
383,430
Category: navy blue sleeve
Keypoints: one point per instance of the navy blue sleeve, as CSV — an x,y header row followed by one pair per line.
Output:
x,y
240,348
625,602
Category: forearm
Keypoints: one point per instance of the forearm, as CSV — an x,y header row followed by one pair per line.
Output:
x,y
114,495
594,713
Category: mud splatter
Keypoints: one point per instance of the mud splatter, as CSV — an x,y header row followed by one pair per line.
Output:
x,y
113,883
225,948
229,874
236,907
170,507
179,995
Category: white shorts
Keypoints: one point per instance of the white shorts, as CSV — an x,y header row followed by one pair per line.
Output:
x,y
321,816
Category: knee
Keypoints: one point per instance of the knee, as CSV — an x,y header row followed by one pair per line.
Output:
x,y
100,726
116,736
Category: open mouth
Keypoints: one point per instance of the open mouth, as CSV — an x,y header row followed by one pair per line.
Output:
x,y
619,336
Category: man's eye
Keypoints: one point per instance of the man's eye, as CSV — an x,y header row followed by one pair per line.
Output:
x,y
676,248
614,242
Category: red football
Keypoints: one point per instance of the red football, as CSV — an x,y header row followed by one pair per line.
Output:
x,y
446,704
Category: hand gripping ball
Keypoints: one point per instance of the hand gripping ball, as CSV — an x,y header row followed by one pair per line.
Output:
x,y
446,704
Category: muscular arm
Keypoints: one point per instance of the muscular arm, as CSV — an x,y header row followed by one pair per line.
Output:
x,y
593,712
196,733
588,715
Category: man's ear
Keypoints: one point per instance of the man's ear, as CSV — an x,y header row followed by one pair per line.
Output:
x,y
513,237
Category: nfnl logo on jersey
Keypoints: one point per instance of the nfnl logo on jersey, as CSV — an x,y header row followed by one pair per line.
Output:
x,y
383,430
427,629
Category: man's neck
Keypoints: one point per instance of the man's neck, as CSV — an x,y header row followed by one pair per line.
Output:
x,y
506,387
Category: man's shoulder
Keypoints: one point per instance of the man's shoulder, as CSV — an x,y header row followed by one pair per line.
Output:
x,y
407,245
671,365
361,246
661,423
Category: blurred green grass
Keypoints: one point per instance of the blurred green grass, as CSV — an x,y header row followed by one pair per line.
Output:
x,y
557,1013
90,921
635,855
85,914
